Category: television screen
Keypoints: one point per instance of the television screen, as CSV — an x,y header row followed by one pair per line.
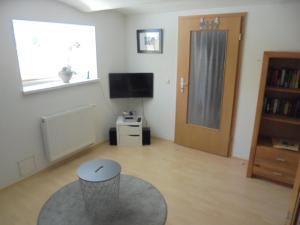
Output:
x,y
131,85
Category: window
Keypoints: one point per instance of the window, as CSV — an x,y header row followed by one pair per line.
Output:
x,y
44,48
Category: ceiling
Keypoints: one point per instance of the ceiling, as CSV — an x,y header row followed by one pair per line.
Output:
x,y
146,6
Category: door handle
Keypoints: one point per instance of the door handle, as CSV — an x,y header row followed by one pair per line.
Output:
x,y
183,84
280,159
277,174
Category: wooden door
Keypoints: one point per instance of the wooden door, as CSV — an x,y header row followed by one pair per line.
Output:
x,y
214,139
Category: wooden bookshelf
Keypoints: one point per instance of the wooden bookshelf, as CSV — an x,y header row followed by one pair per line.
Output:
x,y
266,142
281,119
283,90
266,161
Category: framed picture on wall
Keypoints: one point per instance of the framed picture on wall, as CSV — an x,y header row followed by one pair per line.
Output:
x,y
149,41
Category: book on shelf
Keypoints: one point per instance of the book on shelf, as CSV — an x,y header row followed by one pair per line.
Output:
x,y
282,107
285,144
284,78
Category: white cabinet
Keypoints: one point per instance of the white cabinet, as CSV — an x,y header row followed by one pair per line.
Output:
x,y
129,131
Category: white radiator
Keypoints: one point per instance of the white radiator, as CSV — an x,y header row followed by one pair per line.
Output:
x,y
67,132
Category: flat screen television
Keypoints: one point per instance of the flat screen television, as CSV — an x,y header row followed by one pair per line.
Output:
x,y
131,85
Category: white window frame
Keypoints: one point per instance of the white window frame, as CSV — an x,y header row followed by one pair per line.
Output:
x,y
51,82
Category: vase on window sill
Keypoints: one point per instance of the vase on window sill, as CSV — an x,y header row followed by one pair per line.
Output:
x,y
66,74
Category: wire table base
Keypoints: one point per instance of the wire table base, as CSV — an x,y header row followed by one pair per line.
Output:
x,y
100,198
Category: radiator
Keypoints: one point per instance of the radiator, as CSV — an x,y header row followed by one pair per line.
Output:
x,y
67,132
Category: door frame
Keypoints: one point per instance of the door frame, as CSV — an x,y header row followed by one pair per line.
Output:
x,y
238,71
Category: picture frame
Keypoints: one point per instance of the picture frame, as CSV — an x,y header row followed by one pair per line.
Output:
x,y
149,41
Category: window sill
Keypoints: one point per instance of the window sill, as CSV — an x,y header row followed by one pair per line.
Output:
x,y
54,85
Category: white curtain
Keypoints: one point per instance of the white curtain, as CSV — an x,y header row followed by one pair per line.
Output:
x,y
207,64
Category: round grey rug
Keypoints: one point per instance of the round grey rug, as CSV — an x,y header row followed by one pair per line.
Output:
x,y
140,203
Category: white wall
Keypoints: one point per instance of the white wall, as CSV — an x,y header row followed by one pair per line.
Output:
x,y
20,135
159,111
269,27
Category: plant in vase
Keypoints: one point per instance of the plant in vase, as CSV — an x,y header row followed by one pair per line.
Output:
x,y
66,74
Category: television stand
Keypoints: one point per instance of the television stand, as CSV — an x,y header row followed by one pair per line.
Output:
x,y
129,131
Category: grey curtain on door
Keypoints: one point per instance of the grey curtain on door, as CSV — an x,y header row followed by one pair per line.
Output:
x,y
207,64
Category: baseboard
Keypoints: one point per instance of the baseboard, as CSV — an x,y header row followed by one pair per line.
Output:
x,y
57,163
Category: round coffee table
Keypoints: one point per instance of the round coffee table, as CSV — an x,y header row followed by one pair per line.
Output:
x,y
140,203
99,183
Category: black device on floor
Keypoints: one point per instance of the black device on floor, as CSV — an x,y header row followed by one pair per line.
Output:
x,y
113,136
146,136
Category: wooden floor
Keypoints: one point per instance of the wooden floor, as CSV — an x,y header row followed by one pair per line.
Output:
x,y
200,188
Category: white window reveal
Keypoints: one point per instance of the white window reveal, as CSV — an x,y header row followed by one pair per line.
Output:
x,y
51,53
